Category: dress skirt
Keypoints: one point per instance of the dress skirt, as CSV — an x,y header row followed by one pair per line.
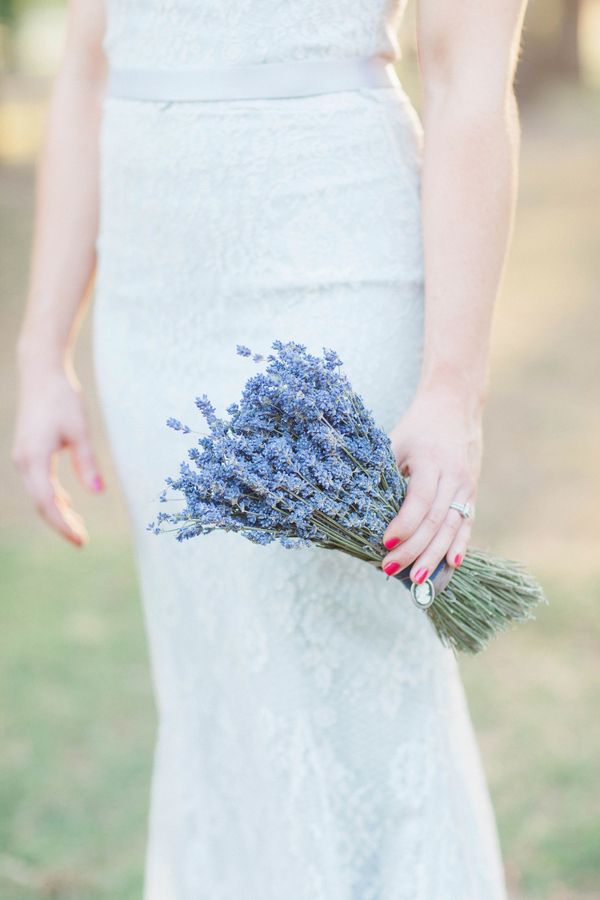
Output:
x,y
313,741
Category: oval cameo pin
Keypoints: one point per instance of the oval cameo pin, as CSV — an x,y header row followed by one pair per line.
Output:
x,y
423,594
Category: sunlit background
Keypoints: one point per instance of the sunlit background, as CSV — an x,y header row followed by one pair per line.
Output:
x,y
77,720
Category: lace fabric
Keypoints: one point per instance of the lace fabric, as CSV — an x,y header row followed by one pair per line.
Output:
x,y
175,34
314,741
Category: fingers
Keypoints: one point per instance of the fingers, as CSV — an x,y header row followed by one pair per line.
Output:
x,y
51,500
85,463
438,520
420,494
51,417
450,541
459,545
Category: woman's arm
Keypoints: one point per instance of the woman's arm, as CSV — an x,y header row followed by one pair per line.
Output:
x,y
467,54
50,413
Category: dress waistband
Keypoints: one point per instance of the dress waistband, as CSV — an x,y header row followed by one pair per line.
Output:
x,y
292,78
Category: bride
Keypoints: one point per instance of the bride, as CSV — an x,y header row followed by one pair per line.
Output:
x,y
236,172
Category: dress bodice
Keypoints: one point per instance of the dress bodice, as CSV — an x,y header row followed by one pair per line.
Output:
x,y
180,34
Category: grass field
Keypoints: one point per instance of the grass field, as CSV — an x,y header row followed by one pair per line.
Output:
x,y
77,715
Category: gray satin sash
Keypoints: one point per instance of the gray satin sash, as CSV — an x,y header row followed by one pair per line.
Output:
x,y
292,78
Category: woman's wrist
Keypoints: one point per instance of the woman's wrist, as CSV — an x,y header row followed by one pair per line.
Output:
x,y
42,345
39,355
456,388
39,358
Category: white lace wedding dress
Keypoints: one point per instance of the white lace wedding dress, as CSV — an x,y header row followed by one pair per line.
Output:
x,y
314,742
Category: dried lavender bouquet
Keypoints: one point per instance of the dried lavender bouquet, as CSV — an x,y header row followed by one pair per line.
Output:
x,y
301,460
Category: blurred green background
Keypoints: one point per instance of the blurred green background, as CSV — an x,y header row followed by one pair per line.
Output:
x,y
77,718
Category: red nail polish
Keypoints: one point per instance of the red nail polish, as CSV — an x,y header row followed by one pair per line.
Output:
x,y
97,483
391,542
421,575
457,559
391,568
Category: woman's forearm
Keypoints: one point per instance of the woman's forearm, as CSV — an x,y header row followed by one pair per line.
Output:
x,y
66,220
468,52
469,182
50,411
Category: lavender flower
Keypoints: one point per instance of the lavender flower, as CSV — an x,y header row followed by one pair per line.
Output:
x,y
301,460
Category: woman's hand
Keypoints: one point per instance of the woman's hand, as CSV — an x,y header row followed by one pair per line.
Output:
x,y
50,409
468,183
439,444
50,418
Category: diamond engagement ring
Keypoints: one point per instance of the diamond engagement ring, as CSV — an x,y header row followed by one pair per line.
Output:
x,y
465,509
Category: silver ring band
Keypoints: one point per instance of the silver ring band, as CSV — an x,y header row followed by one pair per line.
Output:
x,y
465,509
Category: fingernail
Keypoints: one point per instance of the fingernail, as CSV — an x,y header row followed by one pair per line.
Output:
x,y
420,575
457,559
97,483
391,542
391,568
